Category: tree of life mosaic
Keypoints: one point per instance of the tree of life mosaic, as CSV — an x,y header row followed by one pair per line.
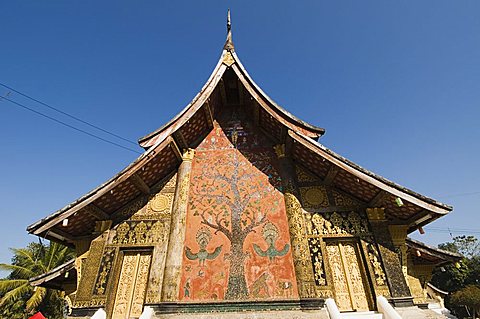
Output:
x,y
237,244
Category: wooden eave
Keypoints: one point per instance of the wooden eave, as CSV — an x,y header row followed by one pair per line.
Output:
x,y
430,255
371,189
437,290
102,202
56,277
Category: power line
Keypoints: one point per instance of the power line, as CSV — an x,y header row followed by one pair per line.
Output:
x,y
67,114
68,125
460,194
453,230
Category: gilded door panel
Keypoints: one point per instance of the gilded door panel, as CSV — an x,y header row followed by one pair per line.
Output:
x,y
348,281
132,286
140,286
342,295
354,275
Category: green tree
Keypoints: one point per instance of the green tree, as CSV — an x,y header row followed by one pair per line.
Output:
x,y
469,297
18,298
468,246
456,277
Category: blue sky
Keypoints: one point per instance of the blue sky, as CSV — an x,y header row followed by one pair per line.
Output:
x,y
396,84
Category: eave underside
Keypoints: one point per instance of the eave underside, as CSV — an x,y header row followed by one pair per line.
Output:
x,y
58,277
424,254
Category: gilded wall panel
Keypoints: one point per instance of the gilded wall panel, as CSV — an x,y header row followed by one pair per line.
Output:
x,y
84,293
343,225
344,200
314,197
338,224
103,275
317,261
143,223
303,176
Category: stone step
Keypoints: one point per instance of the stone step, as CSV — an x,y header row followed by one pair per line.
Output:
x,y
361,315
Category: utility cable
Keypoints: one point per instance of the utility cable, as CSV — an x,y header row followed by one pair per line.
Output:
x,y
68,125
452,230
67,114
459,194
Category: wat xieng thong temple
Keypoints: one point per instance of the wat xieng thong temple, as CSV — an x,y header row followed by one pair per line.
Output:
x,y
235,208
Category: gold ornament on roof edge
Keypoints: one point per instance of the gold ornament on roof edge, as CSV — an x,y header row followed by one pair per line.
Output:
x,y
228,59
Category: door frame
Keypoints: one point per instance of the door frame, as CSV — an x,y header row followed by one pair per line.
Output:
x,y
110,305
362,262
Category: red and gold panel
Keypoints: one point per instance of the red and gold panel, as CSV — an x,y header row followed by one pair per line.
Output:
x,y
237,244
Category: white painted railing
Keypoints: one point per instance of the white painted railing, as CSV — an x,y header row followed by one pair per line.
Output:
x,y
332,309
386,309
99,314
147,313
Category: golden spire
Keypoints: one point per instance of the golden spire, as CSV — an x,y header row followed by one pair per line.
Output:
x,y
229,43
229,23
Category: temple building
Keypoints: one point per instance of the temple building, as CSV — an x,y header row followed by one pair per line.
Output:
x,y
236,208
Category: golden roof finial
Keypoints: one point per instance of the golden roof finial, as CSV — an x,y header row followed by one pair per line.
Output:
x,y
229,23
229,43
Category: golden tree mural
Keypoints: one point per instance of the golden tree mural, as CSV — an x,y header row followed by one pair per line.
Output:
x,y
232,197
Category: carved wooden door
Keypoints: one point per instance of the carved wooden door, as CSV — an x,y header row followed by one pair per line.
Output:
x,y
132,285
348,279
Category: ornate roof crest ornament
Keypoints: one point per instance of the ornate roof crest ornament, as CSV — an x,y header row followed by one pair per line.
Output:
x,y
229,43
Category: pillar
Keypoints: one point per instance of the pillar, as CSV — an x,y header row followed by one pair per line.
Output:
x,y
399,236
390,250
173,264
296,224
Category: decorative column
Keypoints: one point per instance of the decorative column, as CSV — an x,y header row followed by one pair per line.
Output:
x,y
391,254
296,224
399,236
173,264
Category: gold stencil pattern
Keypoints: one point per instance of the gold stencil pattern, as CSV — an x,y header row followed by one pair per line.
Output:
x,y
302,261
344,200
317,260
337,223
141,232
314,197
160,203
83,297
374,259
303,176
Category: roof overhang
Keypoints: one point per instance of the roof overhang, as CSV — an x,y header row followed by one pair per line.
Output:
x,y
102,202
371,189
425,254
58,277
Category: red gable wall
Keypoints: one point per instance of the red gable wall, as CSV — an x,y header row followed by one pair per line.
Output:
x,y
237,244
